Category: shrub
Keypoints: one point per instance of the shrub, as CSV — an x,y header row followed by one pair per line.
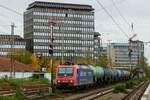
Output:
x,y
19,94
120,88
129,85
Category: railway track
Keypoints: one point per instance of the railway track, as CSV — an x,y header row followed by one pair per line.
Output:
x,y
91,95
29,91
97,95
137,93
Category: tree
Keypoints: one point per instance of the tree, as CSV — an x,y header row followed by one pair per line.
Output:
x,y
102,61
143,62
44,62
35,62
21,55
56,63
85,60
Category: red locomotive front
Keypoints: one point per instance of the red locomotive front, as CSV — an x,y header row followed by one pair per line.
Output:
x,y
65,75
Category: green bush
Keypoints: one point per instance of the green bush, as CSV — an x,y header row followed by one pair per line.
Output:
x,y
35,76
142,79
120,88
129,84
19,94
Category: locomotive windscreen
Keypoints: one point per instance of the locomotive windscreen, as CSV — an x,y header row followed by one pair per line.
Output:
x,y
65,72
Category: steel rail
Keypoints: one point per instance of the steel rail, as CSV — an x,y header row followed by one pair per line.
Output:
x,y
137,93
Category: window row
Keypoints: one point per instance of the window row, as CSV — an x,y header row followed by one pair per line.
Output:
x,y
84,23
41,47
41,34
3,53
42,40
74,48
65,54
8,41
65,41
14,46
64,15
65,48
69,54
64,34
74,41
66,28
74,35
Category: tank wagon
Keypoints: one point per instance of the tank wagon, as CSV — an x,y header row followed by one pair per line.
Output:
x,y
85,75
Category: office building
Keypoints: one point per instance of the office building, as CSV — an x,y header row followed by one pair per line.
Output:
x,y
73,30
119,55
97,45
6,41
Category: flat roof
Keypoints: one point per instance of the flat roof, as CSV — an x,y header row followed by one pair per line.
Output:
x,y
41,4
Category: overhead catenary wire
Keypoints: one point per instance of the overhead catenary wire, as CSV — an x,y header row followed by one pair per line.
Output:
x,y
119,2
12,10
112,18
121,15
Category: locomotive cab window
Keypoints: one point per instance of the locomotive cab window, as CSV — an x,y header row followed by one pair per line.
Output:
x,y
61,70
65,72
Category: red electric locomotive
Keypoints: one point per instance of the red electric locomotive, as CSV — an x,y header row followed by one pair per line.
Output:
x,y
74,75
65,75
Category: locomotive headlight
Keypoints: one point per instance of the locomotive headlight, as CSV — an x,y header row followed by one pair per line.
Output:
x,y
71,81
58,81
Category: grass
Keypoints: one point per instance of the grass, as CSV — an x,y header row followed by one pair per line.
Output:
x,y
13,83
17,84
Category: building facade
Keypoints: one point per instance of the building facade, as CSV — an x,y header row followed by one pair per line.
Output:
x,y
119,55
97,45
73,30
6,41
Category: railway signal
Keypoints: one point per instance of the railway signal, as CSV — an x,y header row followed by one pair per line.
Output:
x,y
52,23
130,50
50,49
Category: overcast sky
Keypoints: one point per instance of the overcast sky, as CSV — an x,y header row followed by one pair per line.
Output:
x,y
134,11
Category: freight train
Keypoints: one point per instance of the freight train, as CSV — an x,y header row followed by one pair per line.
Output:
x,y
87,75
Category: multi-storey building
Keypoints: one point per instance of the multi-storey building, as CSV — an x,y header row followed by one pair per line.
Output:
x,y
97,45
119,55
6,41
73,31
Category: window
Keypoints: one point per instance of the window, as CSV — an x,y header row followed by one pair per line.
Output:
x,y
69,70
61,70
65,72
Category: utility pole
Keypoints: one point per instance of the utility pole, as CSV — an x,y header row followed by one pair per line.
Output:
x,y
12,67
